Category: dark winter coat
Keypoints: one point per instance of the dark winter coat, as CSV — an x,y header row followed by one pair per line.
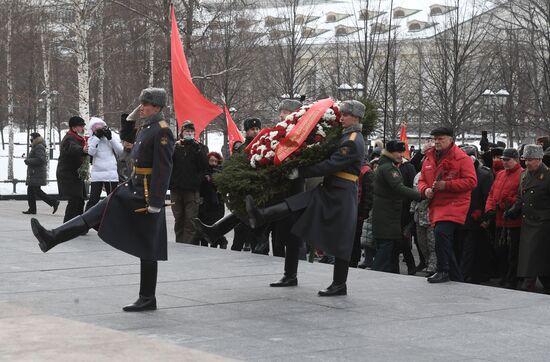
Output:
x,y
37,163
212,207
479,197
408,172
330,217
533,203
365,193
190,165
71,156
142,234
503,196
389,193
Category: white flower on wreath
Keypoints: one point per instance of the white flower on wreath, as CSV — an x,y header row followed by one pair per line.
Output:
x,y
290,127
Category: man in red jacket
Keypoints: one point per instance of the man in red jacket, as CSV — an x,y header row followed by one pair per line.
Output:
x,y
501,198
447,178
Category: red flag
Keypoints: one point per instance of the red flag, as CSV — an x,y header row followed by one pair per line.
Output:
x,y
403,137
189,103
298,135
232,131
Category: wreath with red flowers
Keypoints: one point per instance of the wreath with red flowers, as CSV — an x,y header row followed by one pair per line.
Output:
x,y
255,173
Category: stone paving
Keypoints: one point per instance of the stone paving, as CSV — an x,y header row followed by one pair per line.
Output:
x,y
216,304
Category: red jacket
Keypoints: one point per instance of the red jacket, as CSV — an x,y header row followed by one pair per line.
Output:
x,y
503,195
456,168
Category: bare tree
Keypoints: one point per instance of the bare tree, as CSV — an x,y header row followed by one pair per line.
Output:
x,y
458,67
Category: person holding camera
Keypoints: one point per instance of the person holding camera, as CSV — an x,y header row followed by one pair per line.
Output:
x,y
190,166
104,146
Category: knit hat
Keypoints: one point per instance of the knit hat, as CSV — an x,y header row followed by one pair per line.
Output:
x,y
251,123
353,107
154,96
76,121
533,152
290,105
395,146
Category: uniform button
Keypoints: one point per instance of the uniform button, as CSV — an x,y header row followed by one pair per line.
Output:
x,y
140,142
524,216
125,184
148,126
531,191
135,192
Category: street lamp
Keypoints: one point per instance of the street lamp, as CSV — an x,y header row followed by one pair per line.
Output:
x,y
496,99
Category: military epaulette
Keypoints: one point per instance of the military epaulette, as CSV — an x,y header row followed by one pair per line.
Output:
x,y
163,124
353,136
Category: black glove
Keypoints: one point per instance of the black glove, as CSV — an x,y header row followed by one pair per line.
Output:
x,y
99,133
489,216
107,133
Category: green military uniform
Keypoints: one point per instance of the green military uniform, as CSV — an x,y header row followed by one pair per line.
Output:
x,y
533,202
389,193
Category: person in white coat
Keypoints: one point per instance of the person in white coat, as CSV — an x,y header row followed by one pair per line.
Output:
x,y
104,146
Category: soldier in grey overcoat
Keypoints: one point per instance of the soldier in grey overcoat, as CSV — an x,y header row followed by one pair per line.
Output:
x,y
329,211
132,217
533,204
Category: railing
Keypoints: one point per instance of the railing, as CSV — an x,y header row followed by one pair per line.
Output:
x,y
17,181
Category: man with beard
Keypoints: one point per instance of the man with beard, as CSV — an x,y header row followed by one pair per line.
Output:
x,y
132,217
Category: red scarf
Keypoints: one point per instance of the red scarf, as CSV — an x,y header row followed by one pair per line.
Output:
x,y
79,138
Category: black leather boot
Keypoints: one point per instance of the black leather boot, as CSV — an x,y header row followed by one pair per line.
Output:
x,y
334,290
147,288
286,281
258,217
142,304
212,233
439,277
47,239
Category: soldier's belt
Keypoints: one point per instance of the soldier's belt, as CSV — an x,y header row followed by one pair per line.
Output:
x,y
347,176
143,170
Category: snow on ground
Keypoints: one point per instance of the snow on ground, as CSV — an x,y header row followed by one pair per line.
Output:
x,y
215,141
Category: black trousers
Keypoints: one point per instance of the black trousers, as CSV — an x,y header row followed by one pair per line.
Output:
x,y
340,272
95,191
444,234
148,278
356,251
34,192
75,207
383,260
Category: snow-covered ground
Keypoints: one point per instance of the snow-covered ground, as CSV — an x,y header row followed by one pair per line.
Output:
x,y
215,142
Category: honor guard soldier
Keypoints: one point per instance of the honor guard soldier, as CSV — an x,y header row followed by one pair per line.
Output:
x,y
132,218
329,211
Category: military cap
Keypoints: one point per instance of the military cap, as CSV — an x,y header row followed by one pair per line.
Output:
x,y
188,125
395,146
76,121
442,131
290,105
154,96
533,152
510,153
353,107
251,123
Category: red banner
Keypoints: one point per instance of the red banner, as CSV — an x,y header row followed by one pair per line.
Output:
x,y
403,137
303,128
189,103
233,133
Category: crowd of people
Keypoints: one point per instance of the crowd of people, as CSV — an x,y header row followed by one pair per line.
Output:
x,y
474,214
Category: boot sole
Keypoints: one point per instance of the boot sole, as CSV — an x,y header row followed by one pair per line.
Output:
x,y
35,226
